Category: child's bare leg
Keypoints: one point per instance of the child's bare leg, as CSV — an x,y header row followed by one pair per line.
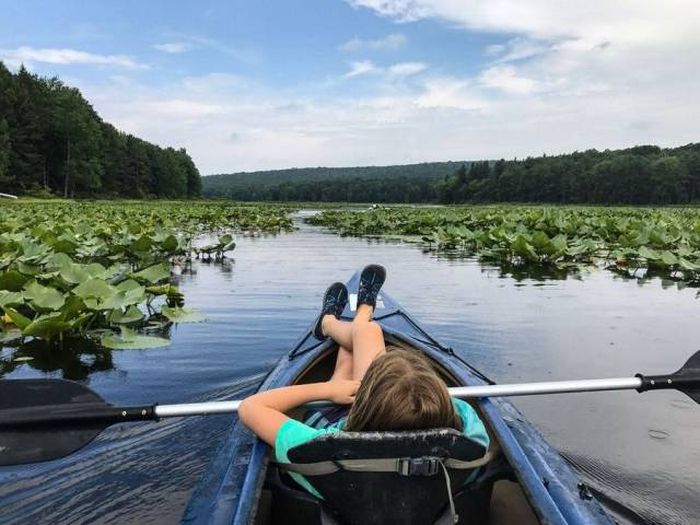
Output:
x,y
339,331
367,341
343,365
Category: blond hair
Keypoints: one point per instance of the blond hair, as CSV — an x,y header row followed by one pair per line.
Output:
x,y
402,391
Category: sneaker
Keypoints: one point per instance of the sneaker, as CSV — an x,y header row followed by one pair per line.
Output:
x,y
334,301
371,281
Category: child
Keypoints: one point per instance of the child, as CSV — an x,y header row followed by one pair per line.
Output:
x,y
395,390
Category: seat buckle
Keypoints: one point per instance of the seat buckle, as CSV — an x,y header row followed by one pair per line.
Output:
x,y
426,466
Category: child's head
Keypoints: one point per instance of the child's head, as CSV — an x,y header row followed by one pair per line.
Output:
x,y
401,391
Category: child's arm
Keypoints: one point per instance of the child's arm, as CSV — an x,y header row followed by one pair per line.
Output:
x,y
263,412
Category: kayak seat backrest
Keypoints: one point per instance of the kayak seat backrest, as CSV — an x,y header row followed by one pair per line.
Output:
x,y
371,492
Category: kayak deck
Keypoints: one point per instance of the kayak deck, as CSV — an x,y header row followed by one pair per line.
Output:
x,y
545,488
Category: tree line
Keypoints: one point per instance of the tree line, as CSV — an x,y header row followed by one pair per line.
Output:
x,y
639,175
407,183
52,142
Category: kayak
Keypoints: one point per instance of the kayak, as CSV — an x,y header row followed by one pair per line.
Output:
x,y
530,482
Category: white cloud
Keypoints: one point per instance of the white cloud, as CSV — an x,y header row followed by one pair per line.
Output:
x,y
617,20
448,92
518,49
362,67
28,55
394,71
173,47
392,41
405,69
507,79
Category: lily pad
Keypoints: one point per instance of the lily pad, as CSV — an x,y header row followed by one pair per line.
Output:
x,y
11,298
12,281
131,340
46,326
182,315
43,297
132,315
153,274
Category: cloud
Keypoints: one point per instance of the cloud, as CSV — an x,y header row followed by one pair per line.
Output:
x,y
399,70
29,55
173,47
392,41
640,22
405,69
362,67
518,49
507,79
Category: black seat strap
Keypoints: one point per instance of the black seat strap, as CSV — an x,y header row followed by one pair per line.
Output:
x,y
424,466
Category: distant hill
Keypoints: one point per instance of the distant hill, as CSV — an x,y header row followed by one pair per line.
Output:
x,y
358,184
644,174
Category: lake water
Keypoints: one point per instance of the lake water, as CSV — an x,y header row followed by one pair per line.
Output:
x,y
640,451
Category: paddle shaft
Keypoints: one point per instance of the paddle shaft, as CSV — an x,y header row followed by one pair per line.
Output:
x,y
107,414
463,392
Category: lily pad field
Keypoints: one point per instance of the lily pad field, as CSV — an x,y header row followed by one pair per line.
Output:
x,y
101,270
634,242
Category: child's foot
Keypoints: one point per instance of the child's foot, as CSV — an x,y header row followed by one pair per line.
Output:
x,y
334,301
371,281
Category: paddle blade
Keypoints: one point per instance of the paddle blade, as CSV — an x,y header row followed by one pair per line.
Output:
x,y
687,379
25,406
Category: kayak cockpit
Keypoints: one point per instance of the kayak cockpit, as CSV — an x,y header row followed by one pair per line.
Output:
x,y
491,496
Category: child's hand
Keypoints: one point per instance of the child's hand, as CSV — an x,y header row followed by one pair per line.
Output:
x,y
342,391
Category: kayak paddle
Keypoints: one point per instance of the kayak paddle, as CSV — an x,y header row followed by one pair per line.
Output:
x,y
43,419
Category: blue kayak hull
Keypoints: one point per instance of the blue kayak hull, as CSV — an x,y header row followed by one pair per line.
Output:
x,y
230,491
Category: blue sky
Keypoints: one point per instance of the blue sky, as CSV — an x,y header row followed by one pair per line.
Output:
x,y
247,85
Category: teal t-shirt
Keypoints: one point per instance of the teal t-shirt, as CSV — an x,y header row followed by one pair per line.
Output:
x,y
293,433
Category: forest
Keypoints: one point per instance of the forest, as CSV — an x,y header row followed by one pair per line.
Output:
x,y
638,175
407,183
53,143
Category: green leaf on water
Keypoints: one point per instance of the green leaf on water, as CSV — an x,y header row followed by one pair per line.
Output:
x,y
12,281
46,326
142,244
43,297
669,258
170,244
73,273
94,288
11,298
131,340
132,315
153,274
96,270
28,269
649,254
182,315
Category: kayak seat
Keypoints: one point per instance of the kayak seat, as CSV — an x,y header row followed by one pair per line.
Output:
x,y
426,477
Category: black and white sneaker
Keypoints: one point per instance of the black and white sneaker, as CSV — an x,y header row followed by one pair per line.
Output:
x,y
334,301
371,281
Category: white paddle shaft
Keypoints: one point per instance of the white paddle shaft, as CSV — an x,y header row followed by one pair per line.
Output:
x,y
522,389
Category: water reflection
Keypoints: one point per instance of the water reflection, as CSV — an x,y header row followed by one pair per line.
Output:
x,y
72,358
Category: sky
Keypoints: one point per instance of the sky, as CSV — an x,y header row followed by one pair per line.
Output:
x,y
247,85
